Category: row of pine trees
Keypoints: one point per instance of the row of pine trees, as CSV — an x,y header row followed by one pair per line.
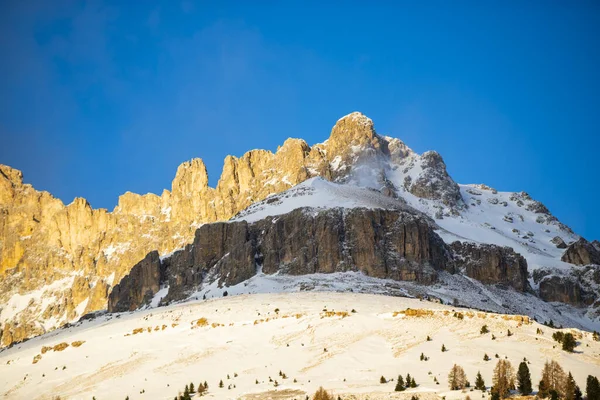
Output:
x,y
555,383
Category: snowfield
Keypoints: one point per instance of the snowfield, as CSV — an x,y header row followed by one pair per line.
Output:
x,y
319,193
342,341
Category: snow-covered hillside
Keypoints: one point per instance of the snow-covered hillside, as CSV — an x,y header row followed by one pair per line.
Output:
x,y
344,342
318,193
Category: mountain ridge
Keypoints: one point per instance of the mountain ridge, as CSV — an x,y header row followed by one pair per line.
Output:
x,y
88,251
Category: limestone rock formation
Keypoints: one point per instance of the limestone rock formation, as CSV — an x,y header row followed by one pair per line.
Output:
x,y
433,182
380,243
582,252
492,264
578,287
558,242
66,259
138,287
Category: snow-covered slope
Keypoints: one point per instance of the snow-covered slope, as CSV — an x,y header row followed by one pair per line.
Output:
x,y
318,193
342,341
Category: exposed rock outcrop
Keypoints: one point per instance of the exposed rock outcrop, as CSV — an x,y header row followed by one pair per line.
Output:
x,y
380,243
582,252
558,242
491,264
138,287
578,287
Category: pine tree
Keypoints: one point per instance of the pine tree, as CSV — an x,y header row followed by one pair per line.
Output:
x,y
321,394
205,385
568,342
524,379
422,356
570,386
443,348
413,384
382,380
578,394
192,390
553,379
221,384
486,357
509,333
479,382
592,388
504,378
399,384
457,378
186,390
542,389
408,380
484,329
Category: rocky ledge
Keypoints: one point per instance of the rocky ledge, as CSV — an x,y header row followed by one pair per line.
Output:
x,y
389,244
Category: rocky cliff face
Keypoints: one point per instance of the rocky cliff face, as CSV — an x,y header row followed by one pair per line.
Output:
x,y
389,244
380,243
579,286
491,264
137,287
582,252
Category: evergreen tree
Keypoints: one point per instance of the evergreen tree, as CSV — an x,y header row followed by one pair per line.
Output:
x,y
413,384
321,394
192,390
543,389
568,342
479,382
443,348
486,357
570,386
578,394
408,380
399,384
495,395
205,385
422,356
524,379
503,378
382,380
457,378
221,384
484,329
186,390
553,379
592,388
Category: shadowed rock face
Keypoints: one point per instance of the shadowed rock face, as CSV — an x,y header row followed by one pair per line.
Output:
x,y
388,244
138,287
491,264
582,252
380,243
578,287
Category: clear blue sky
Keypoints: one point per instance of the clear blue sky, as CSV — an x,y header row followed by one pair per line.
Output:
x,y
97,98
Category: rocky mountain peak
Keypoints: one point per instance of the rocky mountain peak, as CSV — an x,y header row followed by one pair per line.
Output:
x,y
191,177
11,175
46,245
353,133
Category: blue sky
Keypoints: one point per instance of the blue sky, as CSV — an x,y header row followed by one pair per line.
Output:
x,y
97,98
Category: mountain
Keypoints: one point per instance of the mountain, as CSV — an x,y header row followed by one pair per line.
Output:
x,y
358,203
284,346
